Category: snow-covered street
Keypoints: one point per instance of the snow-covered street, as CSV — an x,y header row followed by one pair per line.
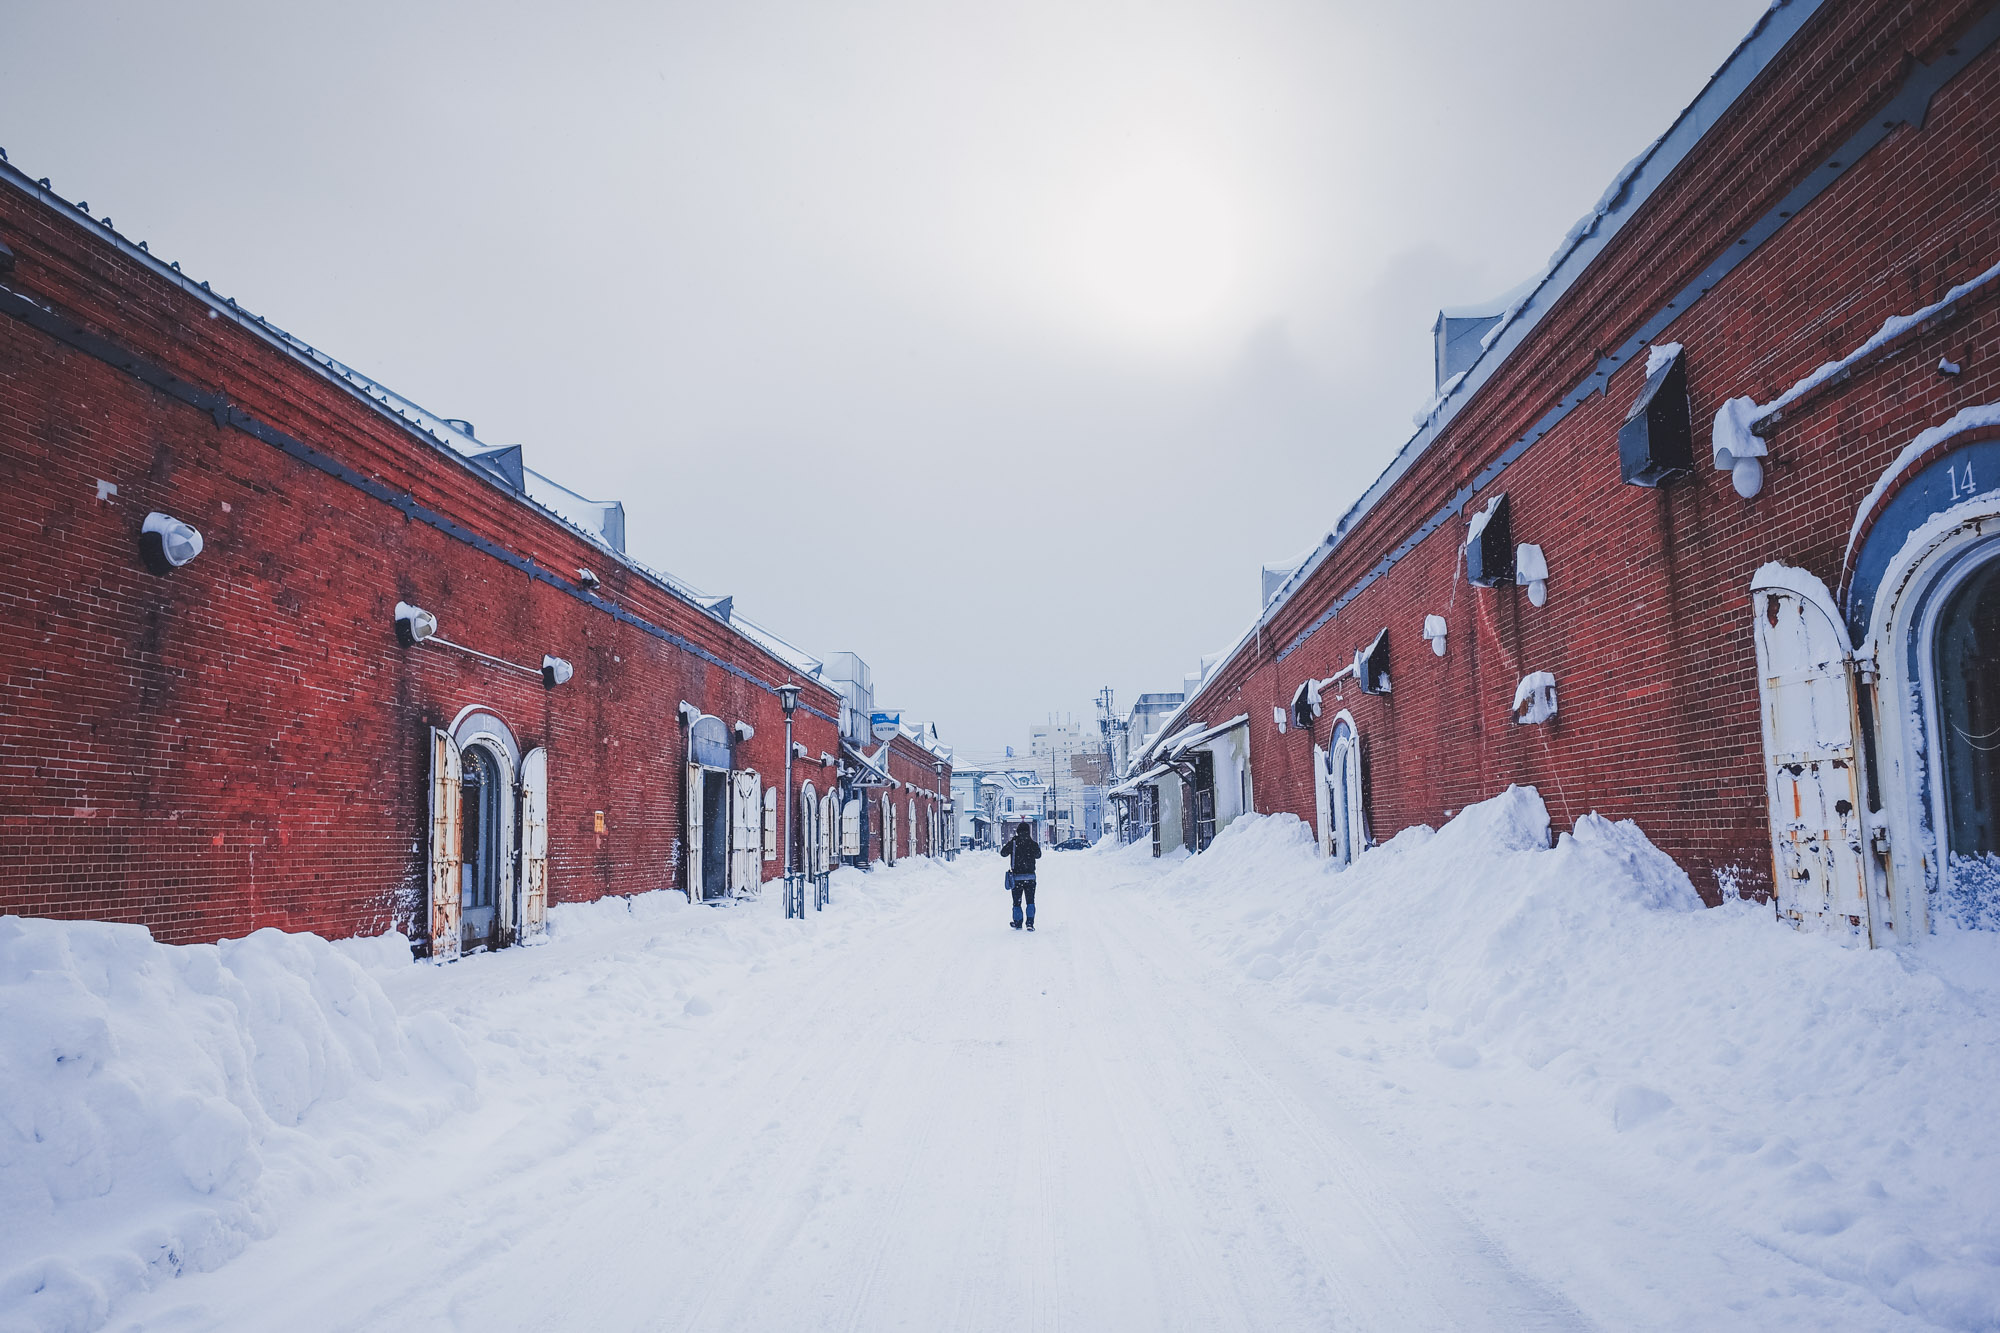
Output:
x,y
912,1118
1219,1093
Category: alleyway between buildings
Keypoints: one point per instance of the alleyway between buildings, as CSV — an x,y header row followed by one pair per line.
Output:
x,y
1181,1104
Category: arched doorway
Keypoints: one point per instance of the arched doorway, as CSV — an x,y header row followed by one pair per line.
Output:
x,y
807,850
481,851
706,801
488,881
1343,823
1965,678
1918,595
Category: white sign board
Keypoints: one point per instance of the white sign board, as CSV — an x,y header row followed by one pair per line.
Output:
x,y
886,725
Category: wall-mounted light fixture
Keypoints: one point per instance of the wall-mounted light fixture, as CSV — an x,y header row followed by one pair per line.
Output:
x,y
1435,630
1532,568
414,624
1535,698
1738,443
166,543
555,671
744,731
589,579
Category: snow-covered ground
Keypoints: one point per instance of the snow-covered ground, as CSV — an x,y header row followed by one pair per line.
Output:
x,y
1471,1082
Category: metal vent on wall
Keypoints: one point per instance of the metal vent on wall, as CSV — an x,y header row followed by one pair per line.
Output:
x,y
1371,665
1656,443
1489,545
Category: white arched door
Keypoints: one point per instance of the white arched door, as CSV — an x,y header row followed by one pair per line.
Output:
x,y
1805,687
534,843
445,841
1339,799
746,831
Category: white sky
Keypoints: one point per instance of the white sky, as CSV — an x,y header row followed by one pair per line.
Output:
x,y
1000,344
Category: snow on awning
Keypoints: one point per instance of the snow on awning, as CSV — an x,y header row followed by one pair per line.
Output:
x,y
1203,737
1166,744
866,774
1130,785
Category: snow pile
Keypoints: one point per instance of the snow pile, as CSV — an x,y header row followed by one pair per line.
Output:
x,y
1834,1105
160,1103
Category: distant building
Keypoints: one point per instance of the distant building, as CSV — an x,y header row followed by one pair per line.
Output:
x,y
1054,745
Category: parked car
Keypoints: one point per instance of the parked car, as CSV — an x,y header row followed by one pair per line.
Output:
x,y
1072,845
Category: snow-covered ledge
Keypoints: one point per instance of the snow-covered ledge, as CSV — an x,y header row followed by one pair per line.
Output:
x,y
1736,441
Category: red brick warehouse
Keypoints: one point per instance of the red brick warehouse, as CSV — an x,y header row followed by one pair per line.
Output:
x,y
406,682
1700,529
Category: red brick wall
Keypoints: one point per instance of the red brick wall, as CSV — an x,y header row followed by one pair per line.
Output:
x,y
911,765
1647,627
241,743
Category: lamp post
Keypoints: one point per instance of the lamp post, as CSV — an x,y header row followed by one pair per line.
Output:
x,y
795,902
937,821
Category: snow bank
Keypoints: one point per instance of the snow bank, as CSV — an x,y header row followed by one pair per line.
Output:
x,y
159,1103
1835,1105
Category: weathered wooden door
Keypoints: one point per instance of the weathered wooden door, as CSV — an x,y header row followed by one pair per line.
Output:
x,y
445,848
1322,805
770,823
1805,678
829,831
691,838
534,843
746,831
850,828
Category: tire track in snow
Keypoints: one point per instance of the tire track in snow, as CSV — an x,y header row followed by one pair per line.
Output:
x,y
1418,1234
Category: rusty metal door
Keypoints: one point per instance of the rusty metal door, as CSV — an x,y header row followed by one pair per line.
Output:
x,y
746,831
445,849
691,839
1805,677
534,843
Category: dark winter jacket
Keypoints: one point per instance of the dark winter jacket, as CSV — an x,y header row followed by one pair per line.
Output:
x,y
1024,849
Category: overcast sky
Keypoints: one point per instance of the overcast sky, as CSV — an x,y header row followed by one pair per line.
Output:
x,y
998,343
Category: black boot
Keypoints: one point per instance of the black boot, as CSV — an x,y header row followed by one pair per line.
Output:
x,y
1015,924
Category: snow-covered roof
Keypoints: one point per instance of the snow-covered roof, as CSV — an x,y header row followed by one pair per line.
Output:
x,y
1628,192
1207,734
1134,783
599,522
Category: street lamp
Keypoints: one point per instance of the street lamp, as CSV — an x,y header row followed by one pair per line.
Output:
x,y
795,900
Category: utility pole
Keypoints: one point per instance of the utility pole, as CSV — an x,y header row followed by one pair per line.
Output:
x,y
1055,787
1107,721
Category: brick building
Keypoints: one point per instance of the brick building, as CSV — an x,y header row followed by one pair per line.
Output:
x,y
914,818
1701,529
281,648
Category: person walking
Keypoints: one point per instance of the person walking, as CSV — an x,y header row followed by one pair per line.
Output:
x,y
1021,879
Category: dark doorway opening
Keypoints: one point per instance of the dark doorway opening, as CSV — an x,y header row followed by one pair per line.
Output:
x,y
1968,690
714,834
